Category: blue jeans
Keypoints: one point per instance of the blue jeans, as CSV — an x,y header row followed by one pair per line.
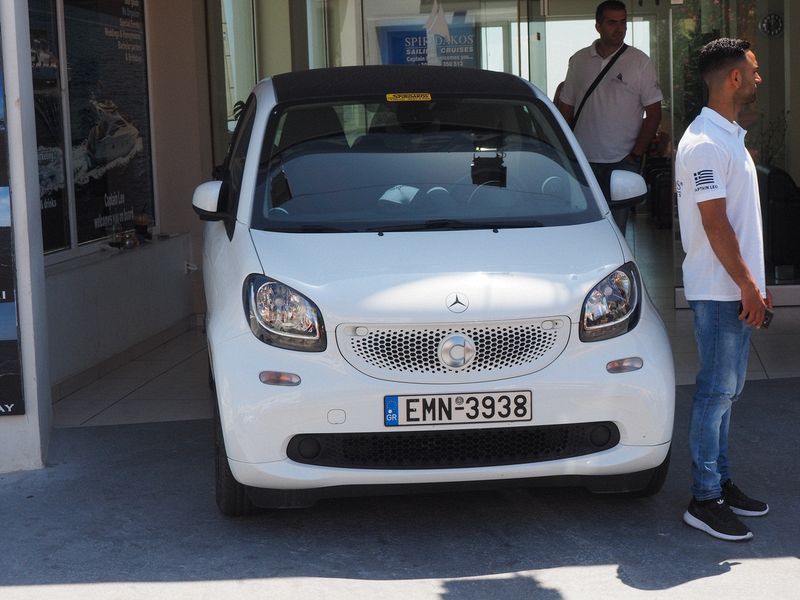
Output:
x,y
723,343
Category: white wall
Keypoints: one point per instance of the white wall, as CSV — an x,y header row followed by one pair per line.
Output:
x,y
103,304
181,117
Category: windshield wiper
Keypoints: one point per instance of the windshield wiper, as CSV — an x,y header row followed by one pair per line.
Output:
x,y
446,224
450,224
307,229
431,225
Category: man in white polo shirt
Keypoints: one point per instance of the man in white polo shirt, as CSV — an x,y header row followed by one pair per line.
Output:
x,y
723,277
608,123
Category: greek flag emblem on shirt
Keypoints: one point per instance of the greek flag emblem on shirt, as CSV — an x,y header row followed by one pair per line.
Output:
x,y
704,177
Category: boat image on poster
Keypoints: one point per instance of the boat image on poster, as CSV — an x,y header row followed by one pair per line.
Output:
x,y
112,137
112,142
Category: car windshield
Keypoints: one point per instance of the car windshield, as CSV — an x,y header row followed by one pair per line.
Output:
x,y
418,165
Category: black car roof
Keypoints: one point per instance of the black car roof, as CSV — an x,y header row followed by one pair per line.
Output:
x,y
378,80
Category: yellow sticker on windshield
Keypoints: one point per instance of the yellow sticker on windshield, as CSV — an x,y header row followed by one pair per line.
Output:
x,y
409,97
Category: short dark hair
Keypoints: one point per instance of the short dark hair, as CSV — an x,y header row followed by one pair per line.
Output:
x,y
720,54
608,5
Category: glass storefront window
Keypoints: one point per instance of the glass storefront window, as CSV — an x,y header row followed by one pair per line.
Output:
x,y
45,61
566,35
238,38
95,170
317,50
695,23
109,118
441,32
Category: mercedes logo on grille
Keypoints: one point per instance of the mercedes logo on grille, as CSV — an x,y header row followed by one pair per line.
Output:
x,y
457,351
457,302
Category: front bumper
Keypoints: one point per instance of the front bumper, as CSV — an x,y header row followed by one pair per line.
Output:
x,y
259,421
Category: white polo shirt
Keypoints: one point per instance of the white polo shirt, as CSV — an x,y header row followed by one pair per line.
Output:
x,y
612,116
712,162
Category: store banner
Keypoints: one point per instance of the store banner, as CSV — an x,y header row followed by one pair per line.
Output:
x,y
435,42
11,399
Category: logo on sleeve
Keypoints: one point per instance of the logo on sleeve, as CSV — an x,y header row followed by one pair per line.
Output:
x,y
704,180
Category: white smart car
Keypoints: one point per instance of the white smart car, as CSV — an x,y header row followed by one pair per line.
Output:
x,y
413,280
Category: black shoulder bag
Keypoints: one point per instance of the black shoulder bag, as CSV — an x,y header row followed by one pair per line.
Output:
x,y
596,82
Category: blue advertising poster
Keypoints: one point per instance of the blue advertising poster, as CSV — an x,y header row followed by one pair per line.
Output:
x,y
409,45
11,399
439,41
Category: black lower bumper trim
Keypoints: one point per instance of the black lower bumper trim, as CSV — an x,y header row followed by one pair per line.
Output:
x,y
452,448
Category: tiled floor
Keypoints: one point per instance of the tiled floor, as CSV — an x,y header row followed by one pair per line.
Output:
x,y
774,352
167,384
171,382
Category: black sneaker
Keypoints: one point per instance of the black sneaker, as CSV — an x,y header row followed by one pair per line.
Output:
x,y
716,518
740,503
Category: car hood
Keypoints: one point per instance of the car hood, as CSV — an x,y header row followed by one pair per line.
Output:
x,y
411,277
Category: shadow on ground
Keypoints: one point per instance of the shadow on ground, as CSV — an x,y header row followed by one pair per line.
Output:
x,y
136,503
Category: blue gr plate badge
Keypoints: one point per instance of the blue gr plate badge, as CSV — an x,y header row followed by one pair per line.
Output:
x,y
390,411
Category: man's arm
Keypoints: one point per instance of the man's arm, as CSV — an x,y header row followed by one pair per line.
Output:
x,y
726,247
650,123
567,111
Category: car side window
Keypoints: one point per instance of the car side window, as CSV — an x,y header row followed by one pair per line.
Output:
x,y
234,164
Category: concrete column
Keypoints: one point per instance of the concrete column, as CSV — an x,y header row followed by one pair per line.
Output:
x,y
23,439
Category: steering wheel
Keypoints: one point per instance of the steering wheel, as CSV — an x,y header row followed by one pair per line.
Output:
x,y
482,187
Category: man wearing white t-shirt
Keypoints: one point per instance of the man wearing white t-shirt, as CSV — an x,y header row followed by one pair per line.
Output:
x,y
608,121
723,276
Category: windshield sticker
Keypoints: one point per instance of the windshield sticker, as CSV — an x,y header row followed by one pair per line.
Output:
x,y
409,97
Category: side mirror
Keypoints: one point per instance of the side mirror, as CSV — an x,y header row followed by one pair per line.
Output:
x,y
627,189
205,201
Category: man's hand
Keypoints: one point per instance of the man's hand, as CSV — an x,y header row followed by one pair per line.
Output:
x,y
753,307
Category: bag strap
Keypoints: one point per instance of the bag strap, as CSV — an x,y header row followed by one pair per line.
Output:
x,y
596,82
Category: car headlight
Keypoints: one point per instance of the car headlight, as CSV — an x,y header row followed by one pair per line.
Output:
x,y
611,308
283,317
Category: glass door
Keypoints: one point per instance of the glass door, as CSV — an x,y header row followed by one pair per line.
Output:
x,y
693,24
557,30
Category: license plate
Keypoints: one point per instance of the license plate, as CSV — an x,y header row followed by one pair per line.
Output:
x,y
444,409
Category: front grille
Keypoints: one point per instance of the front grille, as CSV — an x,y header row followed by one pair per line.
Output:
x,y
452,449
411,353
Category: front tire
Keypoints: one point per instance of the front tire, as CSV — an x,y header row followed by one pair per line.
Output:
x,y
232,498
